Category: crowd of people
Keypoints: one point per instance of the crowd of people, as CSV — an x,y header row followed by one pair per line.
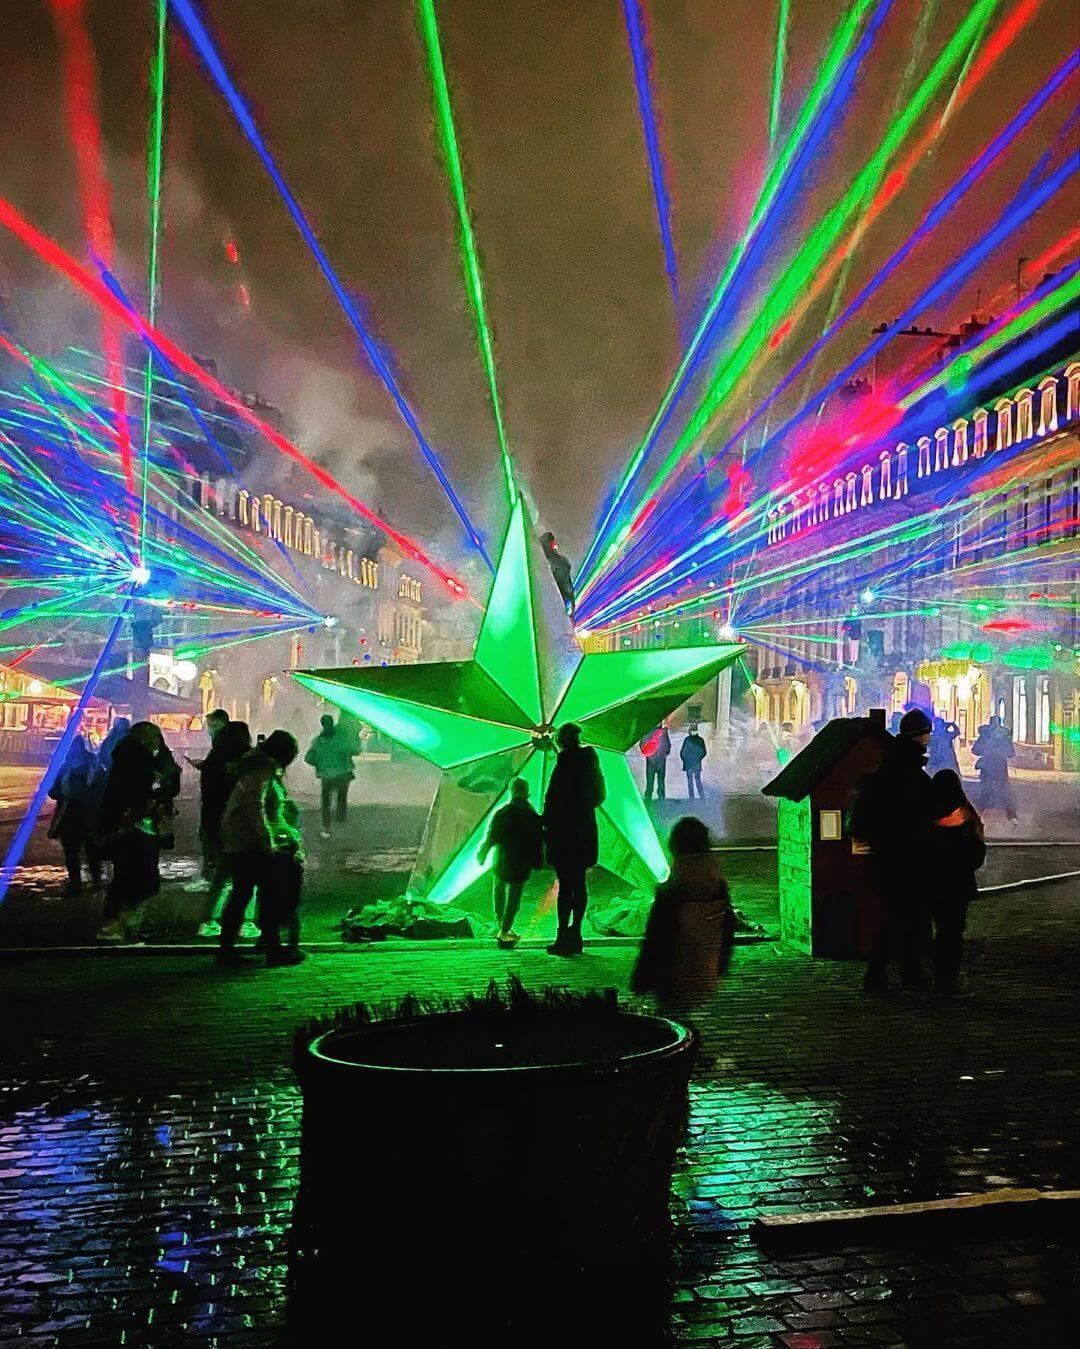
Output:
x,y
115,810
926,843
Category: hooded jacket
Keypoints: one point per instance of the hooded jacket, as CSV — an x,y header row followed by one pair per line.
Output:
x,y
689,935
128,798
259,816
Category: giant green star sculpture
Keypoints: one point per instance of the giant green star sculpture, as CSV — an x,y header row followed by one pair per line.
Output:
x,y
491,719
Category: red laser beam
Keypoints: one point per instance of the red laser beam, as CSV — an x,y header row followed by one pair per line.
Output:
x,y
60,260
84,127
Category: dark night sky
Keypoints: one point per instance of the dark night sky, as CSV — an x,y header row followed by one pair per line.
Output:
x,y
586,337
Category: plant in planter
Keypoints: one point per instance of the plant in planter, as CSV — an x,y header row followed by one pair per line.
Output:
x,y
504,1137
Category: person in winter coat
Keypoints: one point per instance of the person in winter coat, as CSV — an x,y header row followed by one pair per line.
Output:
x,y
656,747
261,837
133,806
993,748
94,853
942,749
692,752
957,851
892,814
71,823
331,755
561,570
117,731
691,926
517,835
574,794
217,775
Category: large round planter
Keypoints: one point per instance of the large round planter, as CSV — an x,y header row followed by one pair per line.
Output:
x,y
444,1148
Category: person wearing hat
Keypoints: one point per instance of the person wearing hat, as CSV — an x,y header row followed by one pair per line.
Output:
x,y
893,814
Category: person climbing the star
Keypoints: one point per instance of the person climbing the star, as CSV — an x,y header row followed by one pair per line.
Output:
x,y
517,835
574,794
560,570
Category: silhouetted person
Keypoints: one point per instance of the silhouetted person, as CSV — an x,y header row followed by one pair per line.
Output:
x,y
957,851
893,814
331,755
942,748
517,835
656,746
217,776
117,731
71,822
261,837
691,927
129,824
560,570
574,794
692,753
993,748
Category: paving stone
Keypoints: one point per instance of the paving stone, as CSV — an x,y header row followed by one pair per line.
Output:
x,y
149,1106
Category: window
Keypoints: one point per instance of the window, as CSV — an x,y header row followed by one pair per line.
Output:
x,y
886,476
941,448
960,441
1004,408
1020,708
830,825
980,417
13,716
1024,420
1047,512
1042,710
1048,412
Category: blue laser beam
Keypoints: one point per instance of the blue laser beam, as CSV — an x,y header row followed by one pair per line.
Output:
x,y
640,55
26,826
200,38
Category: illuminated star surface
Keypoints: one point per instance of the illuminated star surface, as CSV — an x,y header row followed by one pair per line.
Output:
x,y
489,720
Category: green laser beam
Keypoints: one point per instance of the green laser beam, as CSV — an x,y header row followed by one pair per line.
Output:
x,y
778,69
153,193
469,256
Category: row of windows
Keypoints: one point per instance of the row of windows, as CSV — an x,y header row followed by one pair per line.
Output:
x,y
950,447
268,516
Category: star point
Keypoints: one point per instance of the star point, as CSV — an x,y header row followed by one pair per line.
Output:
x,y
486,721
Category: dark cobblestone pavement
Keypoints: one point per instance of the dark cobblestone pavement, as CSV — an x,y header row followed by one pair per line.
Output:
x,y
149,1128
